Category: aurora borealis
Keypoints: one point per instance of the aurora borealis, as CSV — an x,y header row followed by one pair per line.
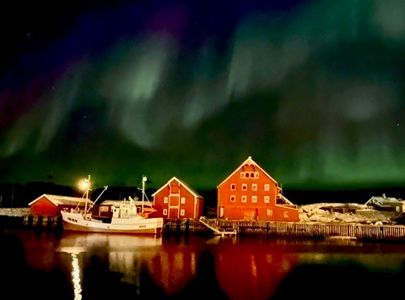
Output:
x,y
312,90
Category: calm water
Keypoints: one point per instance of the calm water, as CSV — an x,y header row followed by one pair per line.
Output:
x,y
99,266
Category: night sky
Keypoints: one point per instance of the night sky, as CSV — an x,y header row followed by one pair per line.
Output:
x,y
312,90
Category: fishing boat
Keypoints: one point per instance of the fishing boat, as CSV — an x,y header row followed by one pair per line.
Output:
x,y
127,217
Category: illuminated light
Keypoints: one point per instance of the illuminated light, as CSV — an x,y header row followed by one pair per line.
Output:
x,y
253,266
77,288
193,264
84,184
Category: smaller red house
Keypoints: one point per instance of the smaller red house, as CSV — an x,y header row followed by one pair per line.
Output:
x,y
51,205
176,200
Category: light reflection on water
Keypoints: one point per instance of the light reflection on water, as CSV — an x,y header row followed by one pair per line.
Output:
x,y
77,287
242,268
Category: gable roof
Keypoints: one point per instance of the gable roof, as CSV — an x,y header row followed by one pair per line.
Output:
x,y
195,194
60,200
248,161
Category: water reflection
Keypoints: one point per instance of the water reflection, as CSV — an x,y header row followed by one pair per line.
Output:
x,y
252,271
174,266
77,287
101,266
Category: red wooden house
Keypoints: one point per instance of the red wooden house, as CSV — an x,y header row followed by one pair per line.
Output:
x,y
249,193
176,200
51,205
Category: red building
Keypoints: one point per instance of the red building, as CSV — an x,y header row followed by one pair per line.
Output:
x,y
249,193
51,205
176,200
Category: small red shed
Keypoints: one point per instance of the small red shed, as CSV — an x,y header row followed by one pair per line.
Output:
x,y
51,205
250,193
176,200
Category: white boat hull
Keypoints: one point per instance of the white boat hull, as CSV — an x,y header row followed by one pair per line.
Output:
x,y
133,225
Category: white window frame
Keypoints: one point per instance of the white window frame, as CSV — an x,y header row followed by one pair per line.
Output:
x,y
244,187
244,199
269,212
285,214
232,198
165,211
183,200
266,199
166,200
266,187
256,174
233,186
254,199
182,212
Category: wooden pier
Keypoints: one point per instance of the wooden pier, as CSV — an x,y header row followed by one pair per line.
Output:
x,y
316,230
215,228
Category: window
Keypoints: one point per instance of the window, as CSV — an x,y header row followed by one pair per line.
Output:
x,y
181,212
254,199
233,186
266,199
244,199
242,174
267,187
269,212
165,200
165,212
256,174
104,208
252,174
232,198
244,187
254,187
183,200
286,214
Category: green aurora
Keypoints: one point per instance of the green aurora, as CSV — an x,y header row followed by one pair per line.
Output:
x,y
314,94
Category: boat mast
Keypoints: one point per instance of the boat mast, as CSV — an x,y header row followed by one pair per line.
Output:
x,y
86,186
144,179
91,205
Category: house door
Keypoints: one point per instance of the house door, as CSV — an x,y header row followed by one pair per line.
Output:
x,y
173,212
221,211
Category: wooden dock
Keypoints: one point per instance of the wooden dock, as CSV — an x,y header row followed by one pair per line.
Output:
x,y
303,230
215,228
316,230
